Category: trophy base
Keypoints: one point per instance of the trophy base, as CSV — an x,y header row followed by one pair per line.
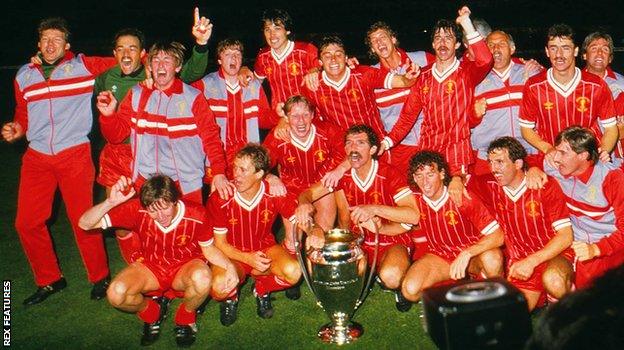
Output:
x,y
332,334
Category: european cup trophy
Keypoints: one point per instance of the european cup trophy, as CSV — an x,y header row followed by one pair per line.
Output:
x,y
336,275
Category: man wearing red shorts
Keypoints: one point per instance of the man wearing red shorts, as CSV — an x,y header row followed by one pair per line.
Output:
x,y
372,189
242,228
536,223
460,238
176,241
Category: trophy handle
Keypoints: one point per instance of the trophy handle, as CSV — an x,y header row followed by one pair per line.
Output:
x,y
300,257
369,281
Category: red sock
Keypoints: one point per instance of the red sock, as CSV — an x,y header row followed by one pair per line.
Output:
x,y
270,283
151,313
183,316
130,247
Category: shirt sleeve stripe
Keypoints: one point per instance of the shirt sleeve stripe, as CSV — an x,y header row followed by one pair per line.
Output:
x,y
406,226
490,228
526,124
388,81
206,243
473,37
105,222
559,224
608,122
220,230
401,194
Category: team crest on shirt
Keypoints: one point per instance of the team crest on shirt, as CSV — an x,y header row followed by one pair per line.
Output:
x,y
349,197
501,206
591,193
449,86
68,68
425,89
181,107
182,239
423,216
355,95
209,173
269,70
320,156
548,105
291,159
324,99
233,221
294,69
265,216
451,216
582,104
533,208
375,197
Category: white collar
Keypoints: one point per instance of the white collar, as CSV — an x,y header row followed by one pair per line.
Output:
x,y
440,77
280,57
337,85
176,220
304,145
365,184
439,203
564,89
504,75
514,195
251,204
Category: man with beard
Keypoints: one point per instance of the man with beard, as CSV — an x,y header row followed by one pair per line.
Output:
x,y
129,51
371,189
448,82
594,195
536,223
497,100
242,228
171,128
563,96
460,238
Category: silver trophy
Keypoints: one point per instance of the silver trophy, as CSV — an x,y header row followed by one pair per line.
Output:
x,y
336,275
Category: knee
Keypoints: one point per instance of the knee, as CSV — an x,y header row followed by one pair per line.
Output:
x,y
116,293
555,283
492,262
292,272
411,289
391,276
201,280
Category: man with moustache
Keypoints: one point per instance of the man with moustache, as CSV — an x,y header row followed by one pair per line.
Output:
x,y
563,96
58,156
129,51
171,128
536,223
594,195
497,100
371,189
448,82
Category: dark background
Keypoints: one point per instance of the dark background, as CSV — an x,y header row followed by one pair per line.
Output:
x,y
93,24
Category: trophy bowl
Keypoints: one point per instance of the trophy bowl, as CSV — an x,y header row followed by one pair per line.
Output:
x,y
336,275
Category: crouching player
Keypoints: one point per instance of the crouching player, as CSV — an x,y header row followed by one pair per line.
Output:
x,y
174,235
536,223
243,231
460,238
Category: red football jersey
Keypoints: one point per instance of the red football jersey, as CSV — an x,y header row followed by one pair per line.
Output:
x,y
351,100
285,71
446,99
302,164
383,186
549,107
247,224
529,218
164,246
449,228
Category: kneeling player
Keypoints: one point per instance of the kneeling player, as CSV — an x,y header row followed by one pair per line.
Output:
x,y
536,223
174,236
460,238
372,189
242,228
